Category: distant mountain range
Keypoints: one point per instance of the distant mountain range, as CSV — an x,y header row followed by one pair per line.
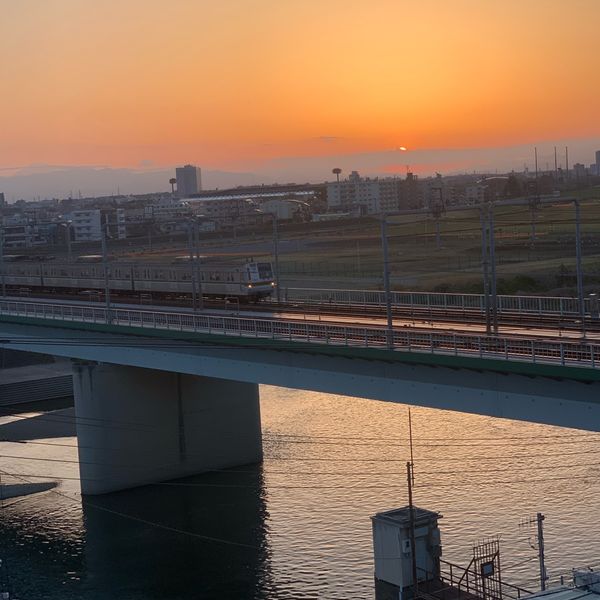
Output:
x,y
46,181
63,181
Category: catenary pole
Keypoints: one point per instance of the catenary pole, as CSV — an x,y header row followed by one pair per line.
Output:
x,y
485,269
192,270
104,233
386,282
276,256
580,298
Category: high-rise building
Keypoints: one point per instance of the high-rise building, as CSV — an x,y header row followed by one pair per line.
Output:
x,y
597,162
2,200
189,180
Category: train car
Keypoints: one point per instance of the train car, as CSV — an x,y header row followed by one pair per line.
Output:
x,y
248,282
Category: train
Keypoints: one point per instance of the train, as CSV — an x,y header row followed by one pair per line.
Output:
x,y
248,282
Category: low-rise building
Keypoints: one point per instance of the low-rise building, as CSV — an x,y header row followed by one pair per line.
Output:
x,y
369,196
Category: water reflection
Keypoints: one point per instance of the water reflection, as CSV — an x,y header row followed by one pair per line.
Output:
x,y
330,463
203,541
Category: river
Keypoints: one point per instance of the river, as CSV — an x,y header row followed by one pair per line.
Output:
x,y
298,525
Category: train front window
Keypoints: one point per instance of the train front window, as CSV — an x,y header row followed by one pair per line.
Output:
x,y
265,272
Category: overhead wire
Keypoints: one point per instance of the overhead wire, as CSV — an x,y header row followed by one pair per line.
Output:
x,y
354,441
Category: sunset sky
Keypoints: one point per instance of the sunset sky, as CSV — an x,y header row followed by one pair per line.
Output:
x,y
230,84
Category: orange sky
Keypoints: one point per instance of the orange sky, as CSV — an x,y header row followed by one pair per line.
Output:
x,y
226,83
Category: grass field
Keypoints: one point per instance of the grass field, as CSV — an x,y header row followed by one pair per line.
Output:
x,y
348,253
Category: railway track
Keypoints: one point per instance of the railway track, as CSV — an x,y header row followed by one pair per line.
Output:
x,y
421,315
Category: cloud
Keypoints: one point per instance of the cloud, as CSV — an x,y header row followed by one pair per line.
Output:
x,y
329,139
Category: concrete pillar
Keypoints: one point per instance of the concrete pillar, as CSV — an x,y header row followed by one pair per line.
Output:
x,y
138,426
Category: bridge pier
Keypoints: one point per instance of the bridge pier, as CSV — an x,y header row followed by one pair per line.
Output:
x,y
137,426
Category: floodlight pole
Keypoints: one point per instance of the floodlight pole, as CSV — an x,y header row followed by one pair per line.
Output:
x,y
386,282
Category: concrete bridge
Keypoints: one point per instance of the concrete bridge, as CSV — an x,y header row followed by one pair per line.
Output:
x,y
162,394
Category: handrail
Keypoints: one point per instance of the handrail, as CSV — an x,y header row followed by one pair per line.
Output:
x,y
465,579
555,305
578,353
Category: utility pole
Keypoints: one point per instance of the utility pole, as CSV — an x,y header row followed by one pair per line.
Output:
x,y
192,270
276,256
104,233
386,283
67,225
411,515
580,298
485,269
2,261
540,529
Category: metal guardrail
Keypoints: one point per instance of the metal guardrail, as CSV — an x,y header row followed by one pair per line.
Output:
x,y
552,305
562,353
458,581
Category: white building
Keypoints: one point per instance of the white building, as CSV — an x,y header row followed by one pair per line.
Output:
x,y
189,180
227,210
86,225
475,194
286,208
368,196
167,209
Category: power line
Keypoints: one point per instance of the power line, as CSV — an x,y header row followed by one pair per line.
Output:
x,y
489,441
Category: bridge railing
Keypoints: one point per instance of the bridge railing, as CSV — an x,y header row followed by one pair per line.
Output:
x,y
553,305
560,352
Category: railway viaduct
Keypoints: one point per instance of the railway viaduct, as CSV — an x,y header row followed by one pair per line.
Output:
x,y
161,395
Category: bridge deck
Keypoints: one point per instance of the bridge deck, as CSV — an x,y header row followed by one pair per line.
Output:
x,y
577,359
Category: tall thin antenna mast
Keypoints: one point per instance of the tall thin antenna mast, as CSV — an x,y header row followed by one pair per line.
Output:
x,y
411,515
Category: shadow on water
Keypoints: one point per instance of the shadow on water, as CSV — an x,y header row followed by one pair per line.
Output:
x,y
55,424
200,537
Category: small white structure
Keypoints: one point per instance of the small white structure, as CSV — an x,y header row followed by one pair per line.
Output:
x,y
393,549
